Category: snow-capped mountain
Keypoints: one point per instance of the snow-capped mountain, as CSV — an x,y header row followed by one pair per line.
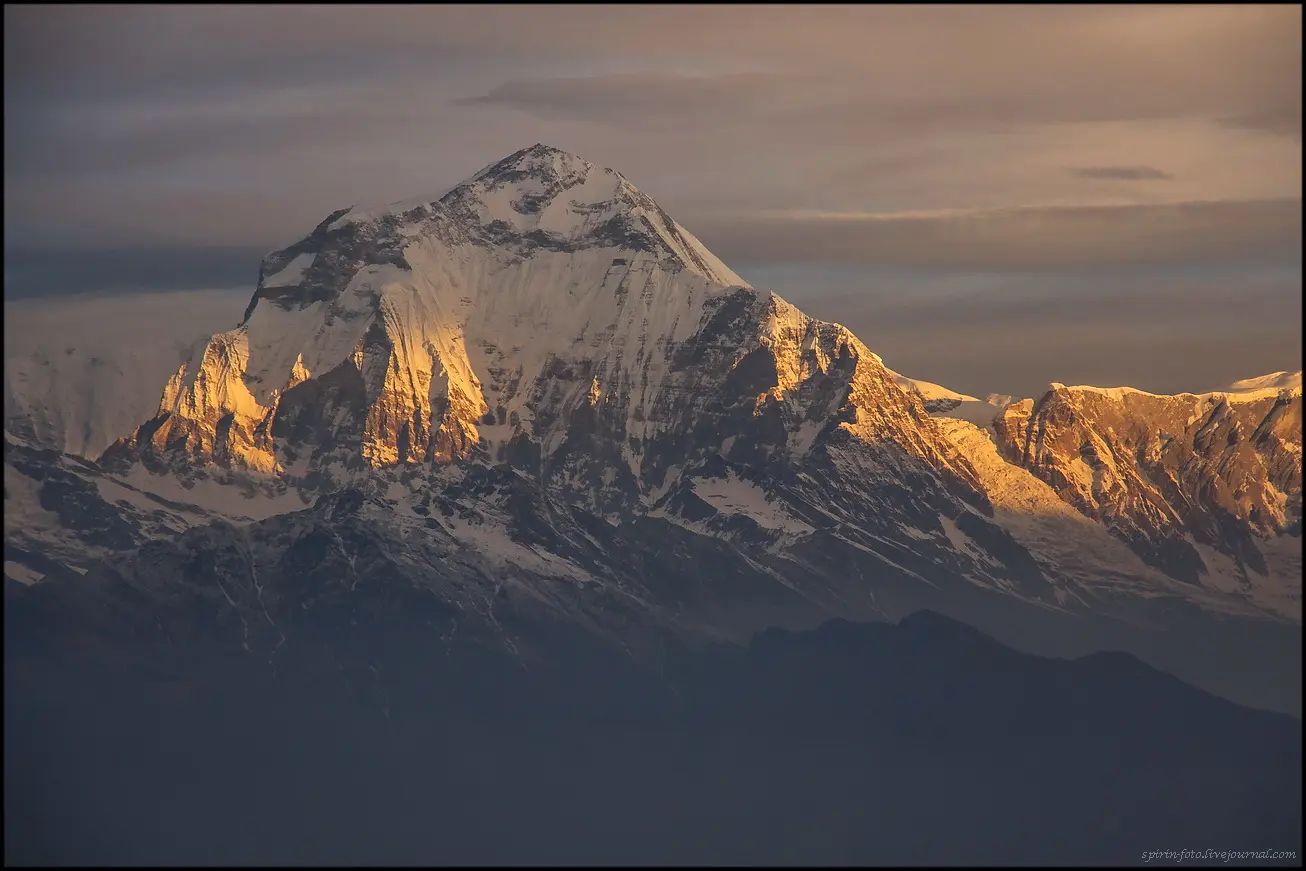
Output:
x,y
548,316
541,311
539,394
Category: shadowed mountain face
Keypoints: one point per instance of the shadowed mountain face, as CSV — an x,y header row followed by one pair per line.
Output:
x,y
921,742
489,559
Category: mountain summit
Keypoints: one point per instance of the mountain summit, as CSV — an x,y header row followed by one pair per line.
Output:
x,y
545,198
545,313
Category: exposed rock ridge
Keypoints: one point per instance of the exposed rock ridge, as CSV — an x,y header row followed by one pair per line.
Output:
x,y
1166,473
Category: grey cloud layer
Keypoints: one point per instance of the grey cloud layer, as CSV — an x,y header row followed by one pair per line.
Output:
x,y
940,65
243,124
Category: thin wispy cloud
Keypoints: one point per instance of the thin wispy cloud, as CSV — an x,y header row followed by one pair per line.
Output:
x,y
1286,122
1034,238
1123,173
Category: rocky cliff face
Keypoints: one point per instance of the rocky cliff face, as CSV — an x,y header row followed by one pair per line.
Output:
x,y
1169,474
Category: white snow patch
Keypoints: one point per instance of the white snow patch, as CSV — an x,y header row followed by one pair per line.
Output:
x,y
292,273
1273,381
1279,592
733,495
928,390
23,504
918,534
491,540
22,573
963,543
1251,392
804,437
228,500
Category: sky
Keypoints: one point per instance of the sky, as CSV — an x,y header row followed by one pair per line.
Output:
x,y
991,197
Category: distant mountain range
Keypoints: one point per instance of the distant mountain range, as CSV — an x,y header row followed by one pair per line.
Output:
x,y
457,548
382,738
540,364
539,386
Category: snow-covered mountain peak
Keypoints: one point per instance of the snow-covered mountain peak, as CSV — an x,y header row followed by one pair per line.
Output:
x,y
538,161
1246,390
555,200
538,199
1273,381
443,329
541,255
505,190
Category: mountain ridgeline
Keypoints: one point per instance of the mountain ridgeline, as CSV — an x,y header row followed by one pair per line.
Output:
x,y
538,384
493,491
1170,473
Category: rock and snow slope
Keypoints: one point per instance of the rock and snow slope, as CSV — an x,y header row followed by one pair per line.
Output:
x,y
539,388
1170,475
1073,544
65,513
1199,516
546,314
